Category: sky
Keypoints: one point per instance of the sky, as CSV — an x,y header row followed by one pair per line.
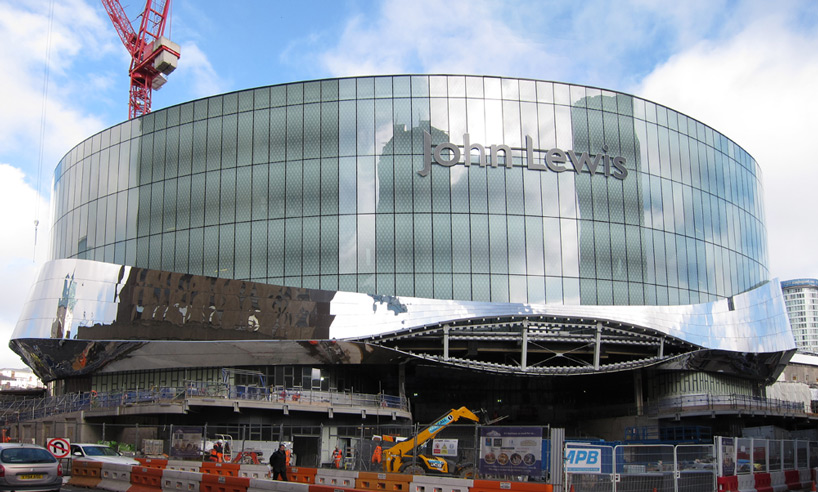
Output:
x,y
749,69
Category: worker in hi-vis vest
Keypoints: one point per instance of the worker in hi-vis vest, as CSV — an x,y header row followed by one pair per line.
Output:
x,y
337,456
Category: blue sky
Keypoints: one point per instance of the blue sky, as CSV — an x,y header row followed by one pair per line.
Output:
x,y
749,69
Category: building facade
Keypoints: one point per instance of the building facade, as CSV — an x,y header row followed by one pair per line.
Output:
x,y
510,236
801,297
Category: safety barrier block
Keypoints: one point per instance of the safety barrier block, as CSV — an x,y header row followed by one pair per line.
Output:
x,y
191,466
746,482
336,478
254,471
258,485
222,469
778,481
144,479
425,483
85,473
223,483
805,477
391,482
301,474
495,485
763,482
116,477
153,462
181,481
330,488
792,479
727,484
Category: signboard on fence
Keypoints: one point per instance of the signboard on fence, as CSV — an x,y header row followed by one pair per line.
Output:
x,y
583,459
444,447
186,442
511,451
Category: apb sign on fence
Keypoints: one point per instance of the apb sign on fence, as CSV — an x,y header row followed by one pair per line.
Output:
x,y
583,459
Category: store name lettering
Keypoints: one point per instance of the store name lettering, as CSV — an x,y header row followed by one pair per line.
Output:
x,y
555,160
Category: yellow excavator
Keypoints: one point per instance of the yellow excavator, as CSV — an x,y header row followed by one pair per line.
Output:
x,y
400,458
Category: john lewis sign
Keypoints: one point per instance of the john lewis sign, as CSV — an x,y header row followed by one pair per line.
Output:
x,y
556,160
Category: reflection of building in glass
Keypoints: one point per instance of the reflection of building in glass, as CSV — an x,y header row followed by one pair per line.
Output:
x,y
801,297
573,253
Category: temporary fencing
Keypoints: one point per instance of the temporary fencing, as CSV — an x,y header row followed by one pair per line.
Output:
x,y
638,468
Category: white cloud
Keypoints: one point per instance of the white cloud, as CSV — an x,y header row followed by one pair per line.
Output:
x,y
197,73
459,36
19,259
73,35
758,88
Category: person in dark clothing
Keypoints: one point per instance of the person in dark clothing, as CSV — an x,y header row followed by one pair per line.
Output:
x,y
278,462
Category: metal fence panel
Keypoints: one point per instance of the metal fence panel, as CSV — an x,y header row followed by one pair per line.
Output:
x,y
695,467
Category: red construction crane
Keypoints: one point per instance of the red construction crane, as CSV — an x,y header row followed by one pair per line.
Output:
x,y
152,55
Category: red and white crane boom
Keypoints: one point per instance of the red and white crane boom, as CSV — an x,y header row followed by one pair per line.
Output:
x,y
152,55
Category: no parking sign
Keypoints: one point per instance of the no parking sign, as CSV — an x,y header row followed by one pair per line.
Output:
x,y
59,447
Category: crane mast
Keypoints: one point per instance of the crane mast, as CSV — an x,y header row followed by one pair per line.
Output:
x,y
152,55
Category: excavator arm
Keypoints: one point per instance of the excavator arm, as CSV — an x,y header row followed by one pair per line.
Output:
x,y
393,457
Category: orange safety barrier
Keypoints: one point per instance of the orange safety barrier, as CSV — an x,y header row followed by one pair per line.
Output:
x,y
85,473
144,479
726,484
153,462
301,474
223,483
392,482
763,482
495,485
222,469
793,480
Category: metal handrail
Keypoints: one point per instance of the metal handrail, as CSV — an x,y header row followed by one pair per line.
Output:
x,y
34,408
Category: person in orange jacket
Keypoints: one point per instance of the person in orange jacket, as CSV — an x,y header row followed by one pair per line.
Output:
x,y
377,454
337,456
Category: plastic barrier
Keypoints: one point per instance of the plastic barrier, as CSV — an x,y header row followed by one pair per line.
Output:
x,y
254,471
181,481
423,483
339,478
144,479
330,488
763,482
222,469
223,483
301,474
257,485
778,482
191,466
495,485
393,482
85,473
727,484
116,477
805,477
746,483
153,462
792,479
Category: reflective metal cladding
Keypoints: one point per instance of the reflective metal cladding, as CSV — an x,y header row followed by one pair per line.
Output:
x,y
84,315
357,208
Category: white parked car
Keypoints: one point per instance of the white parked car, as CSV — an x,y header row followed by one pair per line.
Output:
x,y
100,453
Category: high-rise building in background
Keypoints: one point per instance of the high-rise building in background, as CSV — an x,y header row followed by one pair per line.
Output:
x,y
801,297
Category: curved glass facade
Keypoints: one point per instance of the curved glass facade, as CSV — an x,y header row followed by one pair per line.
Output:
x,y
571,195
